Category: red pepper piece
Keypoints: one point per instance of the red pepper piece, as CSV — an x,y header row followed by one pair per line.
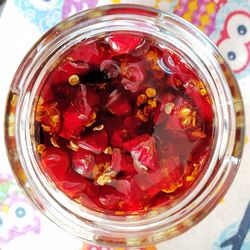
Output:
x,y
131,124
118,103
65,91
95,142
110,201
113,201
117,133
116,160
178,121
127,195
77,116
134,75
175,64
130,85
80,103
204,108
147,154
166,98
55,162
174,128
111,198
46,94
74,184
173,124
175,58
170,61
110,68
173,172
62,73
149,184
159,115
143,151
122,185
127,165
131,144
73,123
90,200
83,162
175,81
122,162
168,178
91,53
186,72
124,44
103,158
118,137
93,98
141,50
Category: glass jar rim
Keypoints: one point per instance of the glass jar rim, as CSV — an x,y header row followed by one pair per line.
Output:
x,y
110,231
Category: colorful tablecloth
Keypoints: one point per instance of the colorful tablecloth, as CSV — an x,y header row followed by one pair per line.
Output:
x,y
227,22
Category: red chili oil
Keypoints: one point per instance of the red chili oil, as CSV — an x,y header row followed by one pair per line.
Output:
x,y
123,124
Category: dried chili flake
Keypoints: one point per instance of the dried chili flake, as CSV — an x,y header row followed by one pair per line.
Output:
x,y
53,141
73,146
153,58
40,148
74,79
49,116
168,108
105,178
194,173
141,99
150,92
205,109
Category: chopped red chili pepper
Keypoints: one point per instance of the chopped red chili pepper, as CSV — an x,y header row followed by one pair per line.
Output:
x,y
90,53
75,185
118,104
68,68
124,44
95,142
83,162
124,124
55,162
122,162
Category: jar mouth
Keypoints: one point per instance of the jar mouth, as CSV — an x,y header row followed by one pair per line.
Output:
x,y
155,226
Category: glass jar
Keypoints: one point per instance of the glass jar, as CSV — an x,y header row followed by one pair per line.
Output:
x,y
157,225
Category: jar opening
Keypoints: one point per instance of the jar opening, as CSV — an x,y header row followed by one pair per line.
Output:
x,y
190,105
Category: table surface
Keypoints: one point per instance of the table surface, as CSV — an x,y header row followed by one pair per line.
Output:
x,y
22,23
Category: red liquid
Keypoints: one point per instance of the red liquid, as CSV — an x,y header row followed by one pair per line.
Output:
x,y
123,125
